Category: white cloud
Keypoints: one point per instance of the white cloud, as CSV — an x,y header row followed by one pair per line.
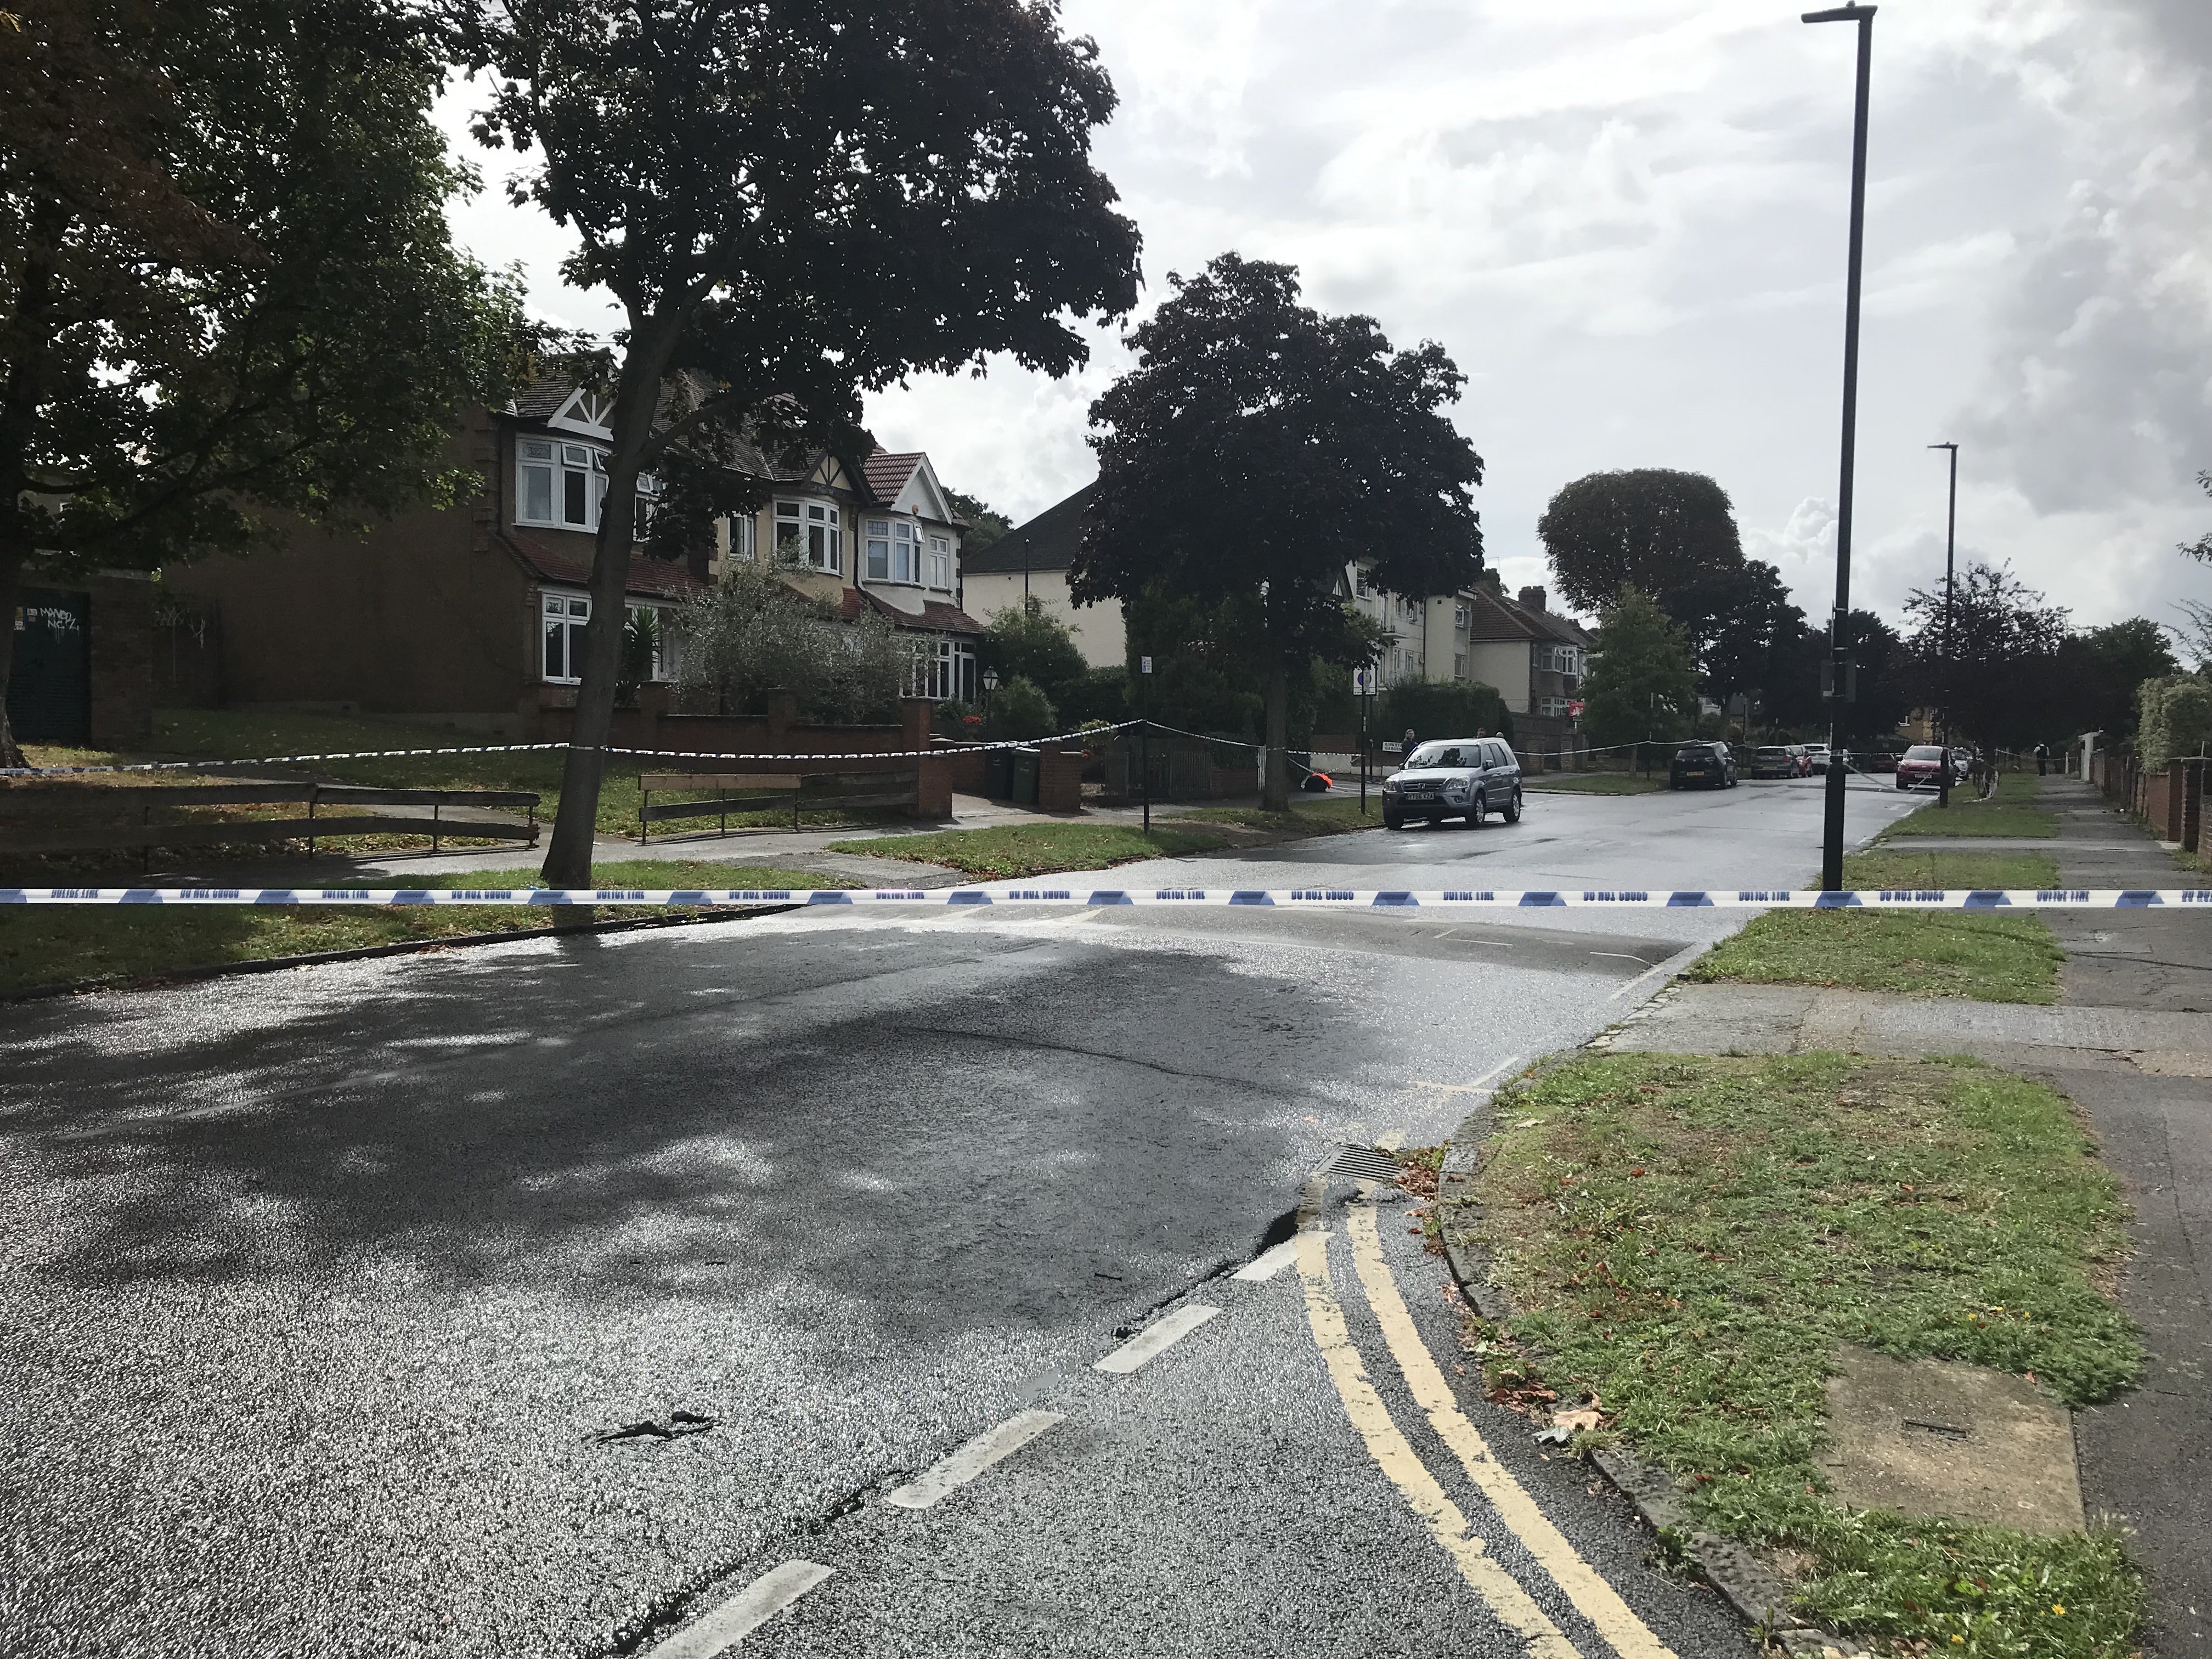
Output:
x,y
1624,218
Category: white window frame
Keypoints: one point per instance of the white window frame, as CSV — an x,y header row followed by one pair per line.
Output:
x,y
744,536
815,532
943,669
879,566
940,563
562,618
556,460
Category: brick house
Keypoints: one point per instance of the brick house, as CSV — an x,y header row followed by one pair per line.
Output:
x,y
474,616
1536,658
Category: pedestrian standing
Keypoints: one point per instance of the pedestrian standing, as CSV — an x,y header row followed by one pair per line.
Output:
x,y
2042,760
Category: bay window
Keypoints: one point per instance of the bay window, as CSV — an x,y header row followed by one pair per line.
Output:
x,y
562,485
810,533
894,551
943,670
940,562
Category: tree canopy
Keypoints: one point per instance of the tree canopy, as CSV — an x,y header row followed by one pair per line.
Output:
x,y
226,280
2002,676
1741,626
1643,681
1256,451
986,524
794,202
1651,529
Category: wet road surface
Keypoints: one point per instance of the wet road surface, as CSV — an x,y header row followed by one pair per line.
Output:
x,y
322,1292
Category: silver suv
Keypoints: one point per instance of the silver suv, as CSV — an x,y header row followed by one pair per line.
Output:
x,y
1455,778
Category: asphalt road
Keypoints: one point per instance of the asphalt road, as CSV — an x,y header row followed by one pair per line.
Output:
x,y
320,1290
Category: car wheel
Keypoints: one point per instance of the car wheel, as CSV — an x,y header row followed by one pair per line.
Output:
x,y
1479,811
1512,812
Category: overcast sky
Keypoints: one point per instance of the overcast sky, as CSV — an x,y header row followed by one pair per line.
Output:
x,y
1625,219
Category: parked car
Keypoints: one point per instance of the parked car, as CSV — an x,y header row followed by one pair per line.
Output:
x,y
1921,767
1708,763
1455,778
1818,755
1773,760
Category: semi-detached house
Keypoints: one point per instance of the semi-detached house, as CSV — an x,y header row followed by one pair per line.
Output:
x,y
475,613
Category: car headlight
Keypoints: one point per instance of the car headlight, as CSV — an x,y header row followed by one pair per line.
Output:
x,y
1458,789
1389,786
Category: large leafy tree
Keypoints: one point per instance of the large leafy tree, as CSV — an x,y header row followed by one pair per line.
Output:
x,y
1642,681
226,283
1259,448
2099,670
1741,623
1651,529
794,202
986,524
2002,659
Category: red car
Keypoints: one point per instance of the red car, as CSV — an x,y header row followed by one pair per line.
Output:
x,y
1921,767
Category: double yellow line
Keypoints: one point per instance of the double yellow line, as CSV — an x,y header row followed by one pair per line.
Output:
x,y
1509,1500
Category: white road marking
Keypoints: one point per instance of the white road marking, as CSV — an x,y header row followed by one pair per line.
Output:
x,y
1681,958
1155,1337
1622,956
1266,1265
994,1444
744,1613
1595,1599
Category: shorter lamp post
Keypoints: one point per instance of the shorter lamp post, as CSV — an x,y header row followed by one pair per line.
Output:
x,y
990,682
1950,549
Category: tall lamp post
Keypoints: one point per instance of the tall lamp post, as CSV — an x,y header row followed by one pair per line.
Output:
x,y
1950,551
1832,841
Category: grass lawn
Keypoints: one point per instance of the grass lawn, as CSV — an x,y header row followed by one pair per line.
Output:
x,y
1687,1237
1593,783
52,945
1988,957
1313,814
1009,851
2010,811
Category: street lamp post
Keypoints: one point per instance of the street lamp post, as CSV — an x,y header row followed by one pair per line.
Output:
x,y
1832,841
1950,550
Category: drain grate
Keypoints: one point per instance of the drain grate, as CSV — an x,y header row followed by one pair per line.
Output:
x,y
1364,1164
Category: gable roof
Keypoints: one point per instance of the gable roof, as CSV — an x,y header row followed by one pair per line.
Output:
x,y
887,473
1047,542
1494,617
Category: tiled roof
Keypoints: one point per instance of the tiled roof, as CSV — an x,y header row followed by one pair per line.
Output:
x,y
887,473
936,617
1494,616
1047,542
662,579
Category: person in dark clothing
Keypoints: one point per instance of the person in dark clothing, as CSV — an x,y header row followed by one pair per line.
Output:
x,y
2042,760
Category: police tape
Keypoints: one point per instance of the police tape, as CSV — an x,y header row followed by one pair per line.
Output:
x,y
1302,898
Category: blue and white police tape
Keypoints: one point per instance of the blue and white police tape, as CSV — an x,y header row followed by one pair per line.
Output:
x,y
1302,898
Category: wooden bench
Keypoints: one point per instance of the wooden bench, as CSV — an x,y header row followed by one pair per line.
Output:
x,y
748,792
66,817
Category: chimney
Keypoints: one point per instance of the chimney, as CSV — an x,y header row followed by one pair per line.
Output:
x,y
1533,598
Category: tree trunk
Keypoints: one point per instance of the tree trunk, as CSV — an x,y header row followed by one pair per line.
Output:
x,y
11,588
575,822
1276,795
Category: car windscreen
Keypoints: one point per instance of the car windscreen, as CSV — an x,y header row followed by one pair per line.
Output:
x,y
1925,751
1443,755
1695,752
1774,754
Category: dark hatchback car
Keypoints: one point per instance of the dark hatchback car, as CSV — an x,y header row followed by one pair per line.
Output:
x,y
1707,763
1774,761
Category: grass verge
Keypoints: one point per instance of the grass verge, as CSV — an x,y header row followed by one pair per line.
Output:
x,y
1009,851
1593,783
1687,1238
1330,814
2010,811
53,945
1953,953
233,734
